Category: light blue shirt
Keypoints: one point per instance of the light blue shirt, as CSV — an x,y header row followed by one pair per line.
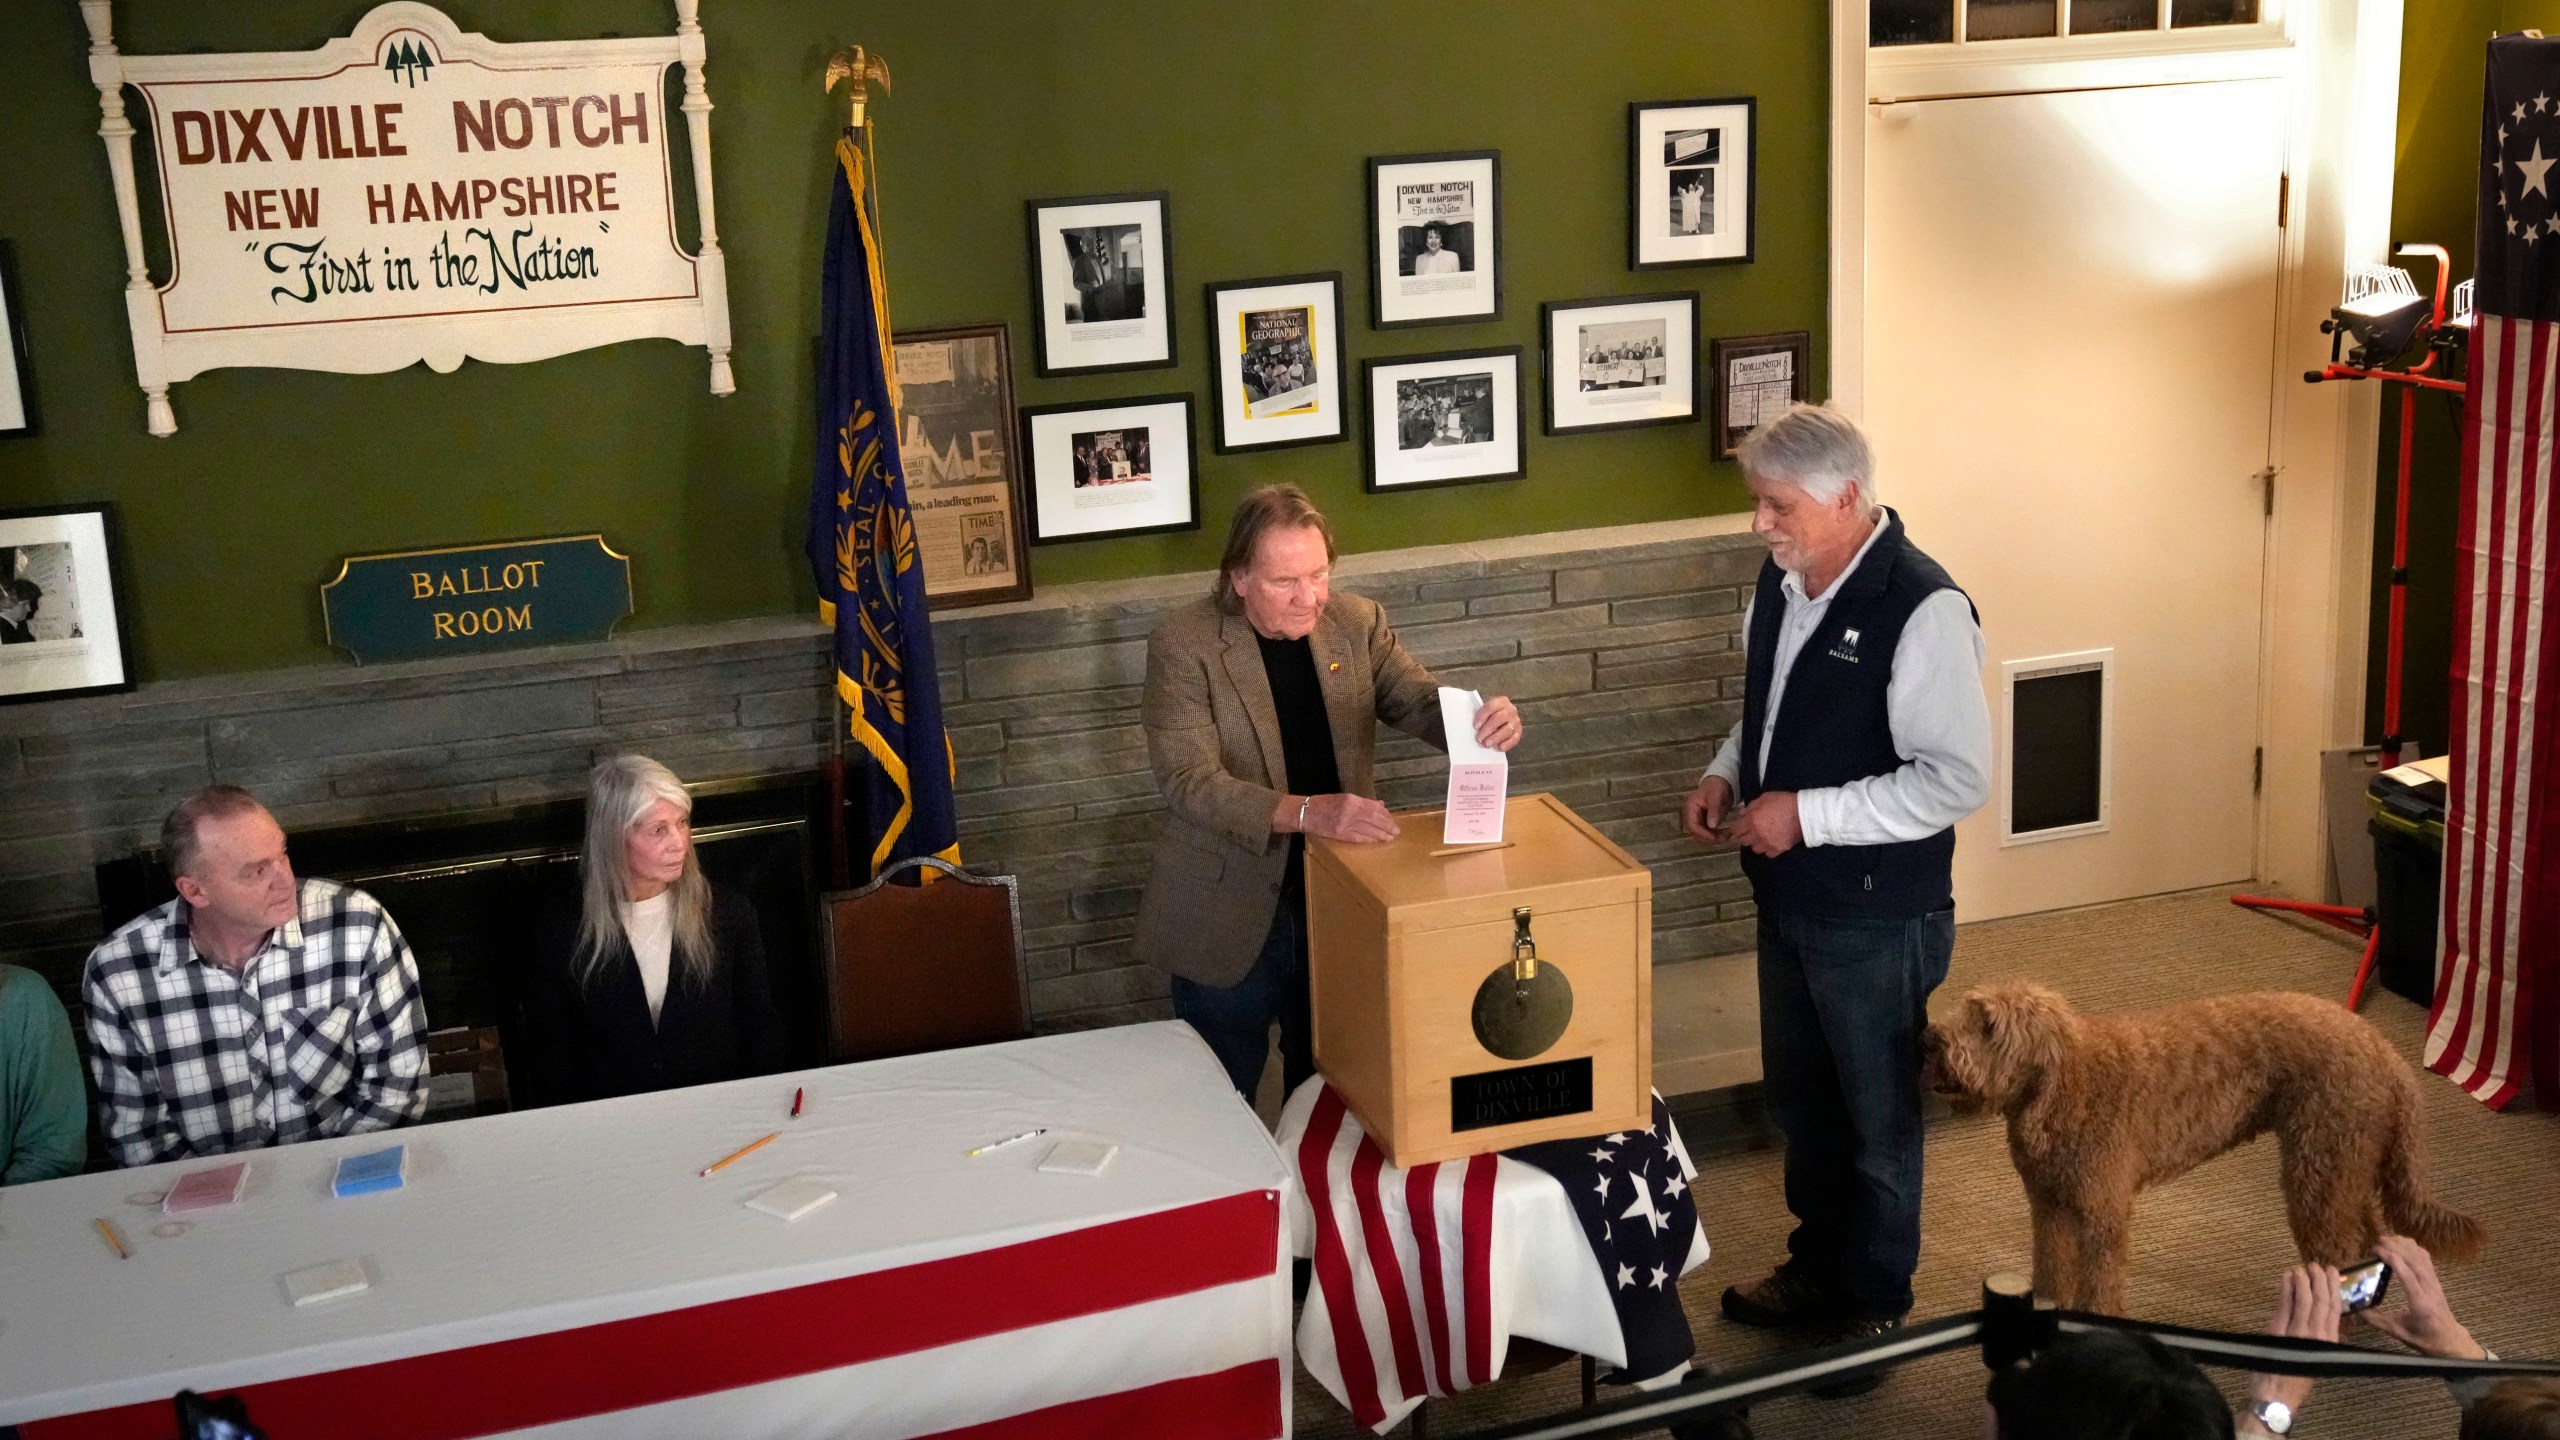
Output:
x,y
1934,706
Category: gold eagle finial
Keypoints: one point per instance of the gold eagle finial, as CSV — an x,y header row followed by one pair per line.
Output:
x,y
862,68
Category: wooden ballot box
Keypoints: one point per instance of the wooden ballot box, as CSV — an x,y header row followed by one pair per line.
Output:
x,y
1473,998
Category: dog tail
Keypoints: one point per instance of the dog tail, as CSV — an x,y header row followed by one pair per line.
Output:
x,y
2411,1210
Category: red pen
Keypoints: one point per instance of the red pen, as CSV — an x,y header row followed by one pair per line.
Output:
x,y
796,1093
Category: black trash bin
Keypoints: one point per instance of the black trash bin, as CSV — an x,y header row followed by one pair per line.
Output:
x,y
2408,871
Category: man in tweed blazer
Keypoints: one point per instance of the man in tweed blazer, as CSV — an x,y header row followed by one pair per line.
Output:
x,y
1262,707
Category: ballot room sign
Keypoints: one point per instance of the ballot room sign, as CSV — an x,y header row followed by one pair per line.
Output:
x,y
470,599
410,192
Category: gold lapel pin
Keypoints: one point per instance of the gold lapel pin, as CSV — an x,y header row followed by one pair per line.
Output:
x,y
1334,668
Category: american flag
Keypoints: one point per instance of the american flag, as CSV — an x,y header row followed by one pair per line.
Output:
x,y
1415,1289
2496,991
1631,1194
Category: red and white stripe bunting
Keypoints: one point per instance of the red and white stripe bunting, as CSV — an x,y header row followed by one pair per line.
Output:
x,y
2499,875
1417,1319
597,1373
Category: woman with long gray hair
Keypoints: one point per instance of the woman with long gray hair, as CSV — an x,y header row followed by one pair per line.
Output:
x,y
651,978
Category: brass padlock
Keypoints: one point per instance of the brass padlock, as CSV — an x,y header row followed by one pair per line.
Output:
x,y
1521,1009
1524,951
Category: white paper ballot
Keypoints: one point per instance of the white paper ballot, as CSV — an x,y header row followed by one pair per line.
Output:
x,y
1479,775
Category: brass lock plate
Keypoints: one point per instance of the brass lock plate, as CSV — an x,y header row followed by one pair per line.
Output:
x,y
1519,1019
1521,1009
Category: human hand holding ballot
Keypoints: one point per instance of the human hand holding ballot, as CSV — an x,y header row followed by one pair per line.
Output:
x,y
1478,731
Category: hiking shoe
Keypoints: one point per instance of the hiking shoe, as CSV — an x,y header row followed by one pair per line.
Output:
x,y
1786,1296
1859,1382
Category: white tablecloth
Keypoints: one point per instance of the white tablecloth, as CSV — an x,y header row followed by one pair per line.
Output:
x,y
566,1273
1500,1252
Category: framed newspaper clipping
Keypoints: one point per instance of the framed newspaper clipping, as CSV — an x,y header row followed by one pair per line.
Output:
x,y
1276,348
955,442
1435,238
1753,378
1692,174
1618,362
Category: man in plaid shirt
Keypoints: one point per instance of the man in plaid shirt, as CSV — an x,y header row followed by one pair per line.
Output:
x,y
252,1010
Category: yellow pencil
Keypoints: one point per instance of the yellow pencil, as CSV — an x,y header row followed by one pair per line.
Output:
x,y
123,1251
724,1160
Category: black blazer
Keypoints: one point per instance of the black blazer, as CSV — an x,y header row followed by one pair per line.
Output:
x,y
594,1041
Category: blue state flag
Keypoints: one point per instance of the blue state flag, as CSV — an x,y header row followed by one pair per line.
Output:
x,y
862,552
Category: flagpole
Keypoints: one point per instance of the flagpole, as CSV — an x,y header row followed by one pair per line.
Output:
x,y
860,68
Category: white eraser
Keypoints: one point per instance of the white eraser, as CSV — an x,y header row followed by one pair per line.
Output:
x,y
1078,1157
792,1198
315,1283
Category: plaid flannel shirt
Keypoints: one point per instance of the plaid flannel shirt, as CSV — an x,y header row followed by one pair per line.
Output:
x,y
321,1033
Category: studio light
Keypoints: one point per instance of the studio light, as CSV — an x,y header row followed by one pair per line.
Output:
x,y
2380,314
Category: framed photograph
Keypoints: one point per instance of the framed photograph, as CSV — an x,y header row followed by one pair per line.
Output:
x,y
1101,278
1121,467
1613,363
1435,238
1752,378
17,381
1276,347
956,446
1449,419
62,632
1691,177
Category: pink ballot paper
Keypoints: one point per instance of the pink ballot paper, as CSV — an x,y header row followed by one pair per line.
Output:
x,y
1479,776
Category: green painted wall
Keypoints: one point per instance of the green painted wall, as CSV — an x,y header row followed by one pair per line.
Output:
x,y
2435,187
1256,119
2435,182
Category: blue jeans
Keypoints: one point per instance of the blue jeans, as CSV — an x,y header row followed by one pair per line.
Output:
x,y
1236,1020
1842,1004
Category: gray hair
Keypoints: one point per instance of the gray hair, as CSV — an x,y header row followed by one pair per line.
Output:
x,y
1814,448
181,835
619,791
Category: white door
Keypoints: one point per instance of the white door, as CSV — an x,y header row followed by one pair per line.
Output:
x,y
2070,302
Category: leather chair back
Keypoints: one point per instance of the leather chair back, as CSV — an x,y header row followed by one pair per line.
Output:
x,y
917,967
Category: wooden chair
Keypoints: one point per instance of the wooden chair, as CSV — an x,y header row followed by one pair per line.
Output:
x,y
917,967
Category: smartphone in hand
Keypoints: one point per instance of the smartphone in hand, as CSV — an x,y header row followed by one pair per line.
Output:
x,y
2361,1287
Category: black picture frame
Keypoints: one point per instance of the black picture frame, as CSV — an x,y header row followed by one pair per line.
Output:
x,y
1048,304
1649,175
1680,368
13,334
997,409
1036,480
1381,270
22,675
1326,358
1375,478
1725,433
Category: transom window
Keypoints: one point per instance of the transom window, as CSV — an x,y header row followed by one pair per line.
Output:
x,y
1958,22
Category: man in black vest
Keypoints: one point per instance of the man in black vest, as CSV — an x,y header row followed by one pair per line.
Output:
x,y
1864,739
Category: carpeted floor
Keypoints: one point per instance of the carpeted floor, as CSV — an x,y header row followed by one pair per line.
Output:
x,y
2207,1248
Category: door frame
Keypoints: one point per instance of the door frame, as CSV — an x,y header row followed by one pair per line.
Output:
x,y
2344,57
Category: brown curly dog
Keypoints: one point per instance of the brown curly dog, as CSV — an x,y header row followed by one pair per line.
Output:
x,y
2100,1106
